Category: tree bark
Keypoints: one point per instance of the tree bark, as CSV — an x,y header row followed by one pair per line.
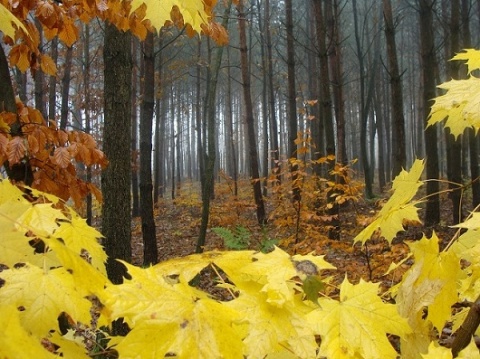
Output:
x,y
454,145
150,250
396,93
292,102
66,88
116,178
249,119
432,213
134,143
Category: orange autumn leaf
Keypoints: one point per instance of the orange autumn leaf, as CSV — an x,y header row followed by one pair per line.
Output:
x,y
61,157
20,57
16,150
47,65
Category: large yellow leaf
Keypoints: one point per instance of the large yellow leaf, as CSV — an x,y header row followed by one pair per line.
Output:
x,y
471,56
192,324
15,341
398,208
43,296
357,325
271,328
82,239
431,282
6,20
158,11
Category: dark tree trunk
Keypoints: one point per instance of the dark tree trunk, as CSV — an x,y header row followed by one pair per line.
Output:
x,y
326,114
66,88
432,213
271,96
396,93
150,251
249,119
292,102
116,178
52,82
454,145
472,136
39,78
210,112
335,57
86,94
134,146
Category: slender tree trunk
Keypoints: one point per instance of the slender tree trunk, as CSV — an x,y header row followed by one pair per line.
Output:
x,y
292,103
432,213
231,139
454,145
275,150
335,57
52,82
249,119
326,114
66,88
210,108
116,178
472,136
86,94
134,146
150,251
398,133
159,160
366,94
39,78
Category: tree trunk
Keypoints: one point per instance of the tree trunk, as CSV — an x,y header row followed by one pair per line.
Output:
x,y
150,251
275,150
116,178
39,78
210,113
292,103
86,94
396,93
249,119
454,145
326,115
472,136
432,213
134,146
52,83
335,57
66,88
366,96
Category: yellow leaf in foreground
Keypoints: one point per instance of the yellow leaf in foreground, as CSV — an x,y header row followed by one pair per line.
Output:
x,y
187,322
358,324
15,341
43,302
431,282
398,208
6,20
269,328
158,11
471,56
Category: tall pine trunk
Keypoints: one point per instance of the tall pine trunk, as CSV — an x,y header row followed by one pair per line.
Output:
x,y
116,215
249,118
150,251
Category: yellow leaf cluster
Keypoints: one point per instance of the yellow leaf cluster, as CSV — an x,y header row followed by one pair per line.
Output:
x,y
459,105
399,207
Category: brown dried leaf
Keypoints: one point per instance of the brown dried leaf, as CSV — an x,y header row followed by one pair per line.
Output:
x,y
61,157
16,150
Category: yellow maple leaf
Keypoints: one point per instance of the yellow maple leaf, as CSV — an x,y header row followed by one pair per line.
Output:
x,y
158,12
6,20
270,328
82,239
398,208
471,56
194,326
44,301
15,341
357,324
431,282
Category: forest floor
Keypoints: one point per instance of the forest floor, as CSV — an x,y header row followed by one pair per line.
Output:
x,y
178,223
